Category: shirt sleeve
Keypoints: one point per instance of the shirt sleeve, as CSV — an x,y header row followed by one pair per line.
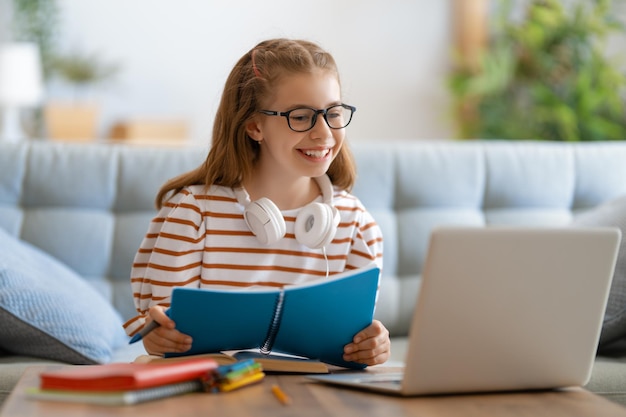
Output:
x,y
169,256
367,244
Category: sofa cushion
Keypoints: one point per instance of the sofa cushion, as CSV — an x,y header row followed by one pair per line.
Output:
x,y
48,311
612,213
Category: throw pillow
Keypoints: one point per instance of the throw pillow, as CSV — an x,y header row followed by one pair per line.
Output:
x,y
612,213
48,311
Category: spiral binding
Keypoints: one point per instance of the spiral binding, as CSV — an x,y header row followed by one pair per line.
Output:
x,y
266,347
155,393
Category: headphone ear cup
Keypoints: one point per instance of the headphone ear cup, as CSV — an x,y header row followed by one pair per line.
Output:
x,y
265,220
316,225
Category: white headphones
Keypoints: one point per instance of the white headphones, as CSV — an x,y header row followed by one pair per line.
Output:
x,y
316,223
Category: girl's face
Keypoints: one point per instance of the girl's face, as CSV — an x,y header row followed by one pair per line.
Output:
x,y
286,154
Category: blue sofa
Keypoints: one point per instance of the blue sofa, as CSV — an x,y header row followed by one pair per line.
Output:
x,y
88,206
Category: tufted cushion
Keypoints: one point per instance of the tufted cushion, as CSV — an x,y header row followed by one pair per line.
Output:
x,y
612,213
48,311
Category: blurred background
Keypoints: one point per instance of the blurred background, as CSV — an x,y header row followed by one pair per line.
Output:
x,y
446,69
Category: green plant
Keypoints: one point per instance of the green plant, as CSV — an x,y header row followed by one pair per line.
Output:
x,y
83,69
545,77
37,21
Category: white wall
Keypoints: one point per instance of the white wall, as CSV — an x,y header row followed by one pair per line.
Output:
x,y
175,54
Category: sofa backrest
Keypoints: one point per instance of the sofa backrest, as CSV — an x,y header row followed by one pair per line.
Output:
x,y
89,205
412,186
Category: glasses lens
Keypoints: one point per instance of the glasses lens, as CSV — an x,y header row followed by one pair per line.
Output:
x,y
301,120
338,116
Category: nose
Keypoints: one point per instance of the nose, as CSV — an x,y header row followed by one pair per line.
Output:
x,y
320,127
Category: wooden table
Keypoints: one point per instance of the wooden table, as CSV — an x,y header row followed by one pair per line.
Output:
x,y
313,399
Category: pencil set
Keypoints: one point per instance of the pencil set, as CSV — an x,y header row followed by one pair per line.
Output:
x,y
233,376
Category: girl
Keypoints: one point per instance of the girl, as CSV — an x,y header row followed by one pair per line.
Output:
x,y
261,210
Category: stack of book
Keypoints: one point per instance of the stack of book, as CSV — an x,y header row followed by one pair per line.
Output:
x,y
132,383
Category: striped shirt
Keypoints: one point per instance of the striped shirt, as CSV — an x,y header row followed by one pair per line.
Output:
x,y
199,239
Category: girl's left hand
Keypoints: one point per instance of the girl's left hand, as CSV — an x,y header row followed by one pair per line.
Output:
x,y
370,346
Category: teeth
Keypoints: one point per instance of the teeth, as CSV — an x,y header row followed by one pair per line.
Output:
x,y
317,154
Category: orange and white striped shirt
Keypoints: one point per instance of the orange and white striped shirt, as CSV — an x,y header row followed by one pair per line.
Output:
x,y
199,239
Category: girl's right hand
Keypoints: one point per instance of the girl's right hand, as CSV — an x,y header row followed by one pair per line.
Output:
x,y
164,338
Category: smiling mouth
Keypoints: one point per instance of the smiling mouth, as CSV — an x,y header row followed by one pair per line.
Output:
x,y
320,153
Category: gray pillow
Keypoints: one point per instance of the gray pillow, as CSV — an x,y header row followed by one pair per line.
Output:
x,y
48,311
612,213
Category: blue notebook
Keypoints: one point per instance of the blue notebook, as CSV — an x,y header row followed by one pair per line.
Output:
x,y
314,320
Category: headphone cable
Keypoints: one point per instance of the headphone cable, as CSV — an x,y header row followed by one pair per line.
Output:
x,y
327,263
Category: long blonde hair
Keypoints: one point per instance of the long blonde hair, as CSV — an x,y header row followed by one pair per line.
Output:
x,y
233,153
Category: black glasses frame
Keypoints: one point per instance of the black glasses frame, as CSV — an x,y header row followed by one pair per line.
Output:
x,y
323,112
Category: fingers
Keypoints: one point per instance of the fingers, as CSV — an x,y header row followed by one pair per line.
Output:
x,y
157,313
371,346
372,331
165,338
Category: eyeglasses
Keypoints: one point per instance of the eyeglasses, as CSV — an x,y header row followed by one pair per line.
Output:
x,y
304,118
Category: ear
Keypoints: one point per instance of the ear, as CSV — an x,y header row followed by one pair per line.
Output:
x,y
253,129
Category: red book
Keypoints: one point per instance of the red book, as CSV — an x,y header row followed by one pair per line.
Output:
x,y
125,376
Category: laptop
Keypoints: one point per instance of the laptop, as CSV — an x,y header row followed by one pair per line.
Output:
x,y
503,309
